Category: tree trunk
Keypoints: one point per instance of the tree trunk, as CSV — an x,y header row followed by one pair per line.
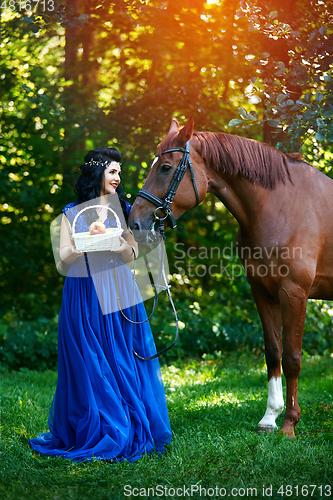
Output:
x,y
72,143
89,63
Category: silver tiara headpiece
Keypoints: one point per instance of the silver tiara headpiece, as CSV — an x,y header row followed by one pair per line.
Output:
x,y
105,163
91,163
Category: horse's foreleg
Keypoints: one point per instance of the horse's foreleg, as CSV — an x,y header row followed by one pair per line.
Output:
x,y
270,314
293,302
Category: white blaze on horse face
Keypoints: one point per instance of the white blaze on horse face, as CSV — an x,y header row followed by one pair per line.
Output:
x,y
154,161
275,403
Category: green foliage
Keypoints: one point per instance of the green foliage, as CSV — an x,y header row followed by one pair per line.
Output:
x,y
29,156
88,74
214,407
218,325
28,344
318,330
293,75
224,324
206,331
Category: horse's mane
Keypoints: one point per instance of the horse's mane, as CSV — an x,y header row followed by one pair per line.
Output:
x,y
235,155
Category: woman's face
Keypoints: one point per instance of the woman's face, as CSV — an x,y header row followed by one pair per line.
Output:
x,y
111,178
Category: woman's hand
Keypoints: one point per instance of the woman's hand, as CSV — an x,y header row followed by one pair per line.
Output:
x,y
127,249
69,254
74,251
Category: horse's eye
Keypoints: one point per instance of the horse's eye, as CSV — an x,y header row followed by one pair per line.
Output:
x,y
166,167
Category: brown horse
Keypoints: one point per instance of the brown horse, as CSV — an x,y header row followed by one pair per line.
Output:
x,y
284,208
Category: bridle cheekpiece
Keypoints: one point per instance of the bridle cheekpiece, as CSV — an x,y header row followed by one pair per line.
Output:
x,y
165,204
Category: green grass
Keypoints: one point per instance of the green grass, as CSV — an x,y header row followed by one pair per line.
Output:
x,y
214,407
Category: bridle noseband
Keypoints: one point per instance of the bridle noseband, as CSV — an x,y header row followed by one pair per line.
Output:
x,y
176,180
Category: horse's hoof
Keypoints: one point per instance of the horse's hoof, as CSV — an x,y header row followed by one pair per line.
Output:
x,y
265,428
288,433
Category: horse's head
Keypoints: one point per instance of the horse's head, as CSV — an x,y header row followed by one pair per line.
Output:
x,y
176,180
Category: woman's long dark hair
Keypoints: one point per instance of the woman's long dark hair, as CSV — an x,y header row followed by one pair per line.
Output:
x,y
88,185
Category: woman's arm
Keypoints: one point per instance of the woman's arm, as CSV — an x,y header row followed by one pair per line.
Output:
x,y
68,252
128,248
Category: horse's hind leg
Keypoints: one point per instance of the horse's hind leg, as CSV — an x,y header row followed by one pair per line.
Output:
x,y
270,314
293,300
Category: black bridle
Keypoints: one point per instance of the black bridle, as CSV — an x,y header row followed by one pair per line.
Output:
x,y
165,204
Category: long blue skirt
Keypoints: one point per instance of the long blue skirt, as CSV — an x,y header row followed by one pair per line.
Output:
x,y
107,404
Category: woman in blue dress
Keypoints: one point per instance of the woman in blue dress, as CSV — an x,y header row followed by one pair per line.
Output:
x,y
108,404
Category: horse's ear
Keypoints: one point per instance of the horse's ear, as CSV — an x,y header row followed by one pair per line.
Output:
x,y
186,132
174,126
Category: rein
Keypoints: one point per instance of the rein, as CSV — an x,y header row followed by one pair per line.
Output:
x,y
161,273
165,204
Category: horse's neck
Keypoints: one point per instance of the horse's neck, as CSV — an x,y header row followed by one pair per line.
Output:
x,y
242,198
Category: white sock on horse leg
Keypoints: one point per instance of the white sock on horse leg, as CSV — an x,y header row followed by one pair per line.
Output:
x,y
275,403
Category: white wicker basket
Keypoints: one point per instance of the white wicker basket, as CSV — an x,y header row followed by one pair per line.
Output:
x,y
86,242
